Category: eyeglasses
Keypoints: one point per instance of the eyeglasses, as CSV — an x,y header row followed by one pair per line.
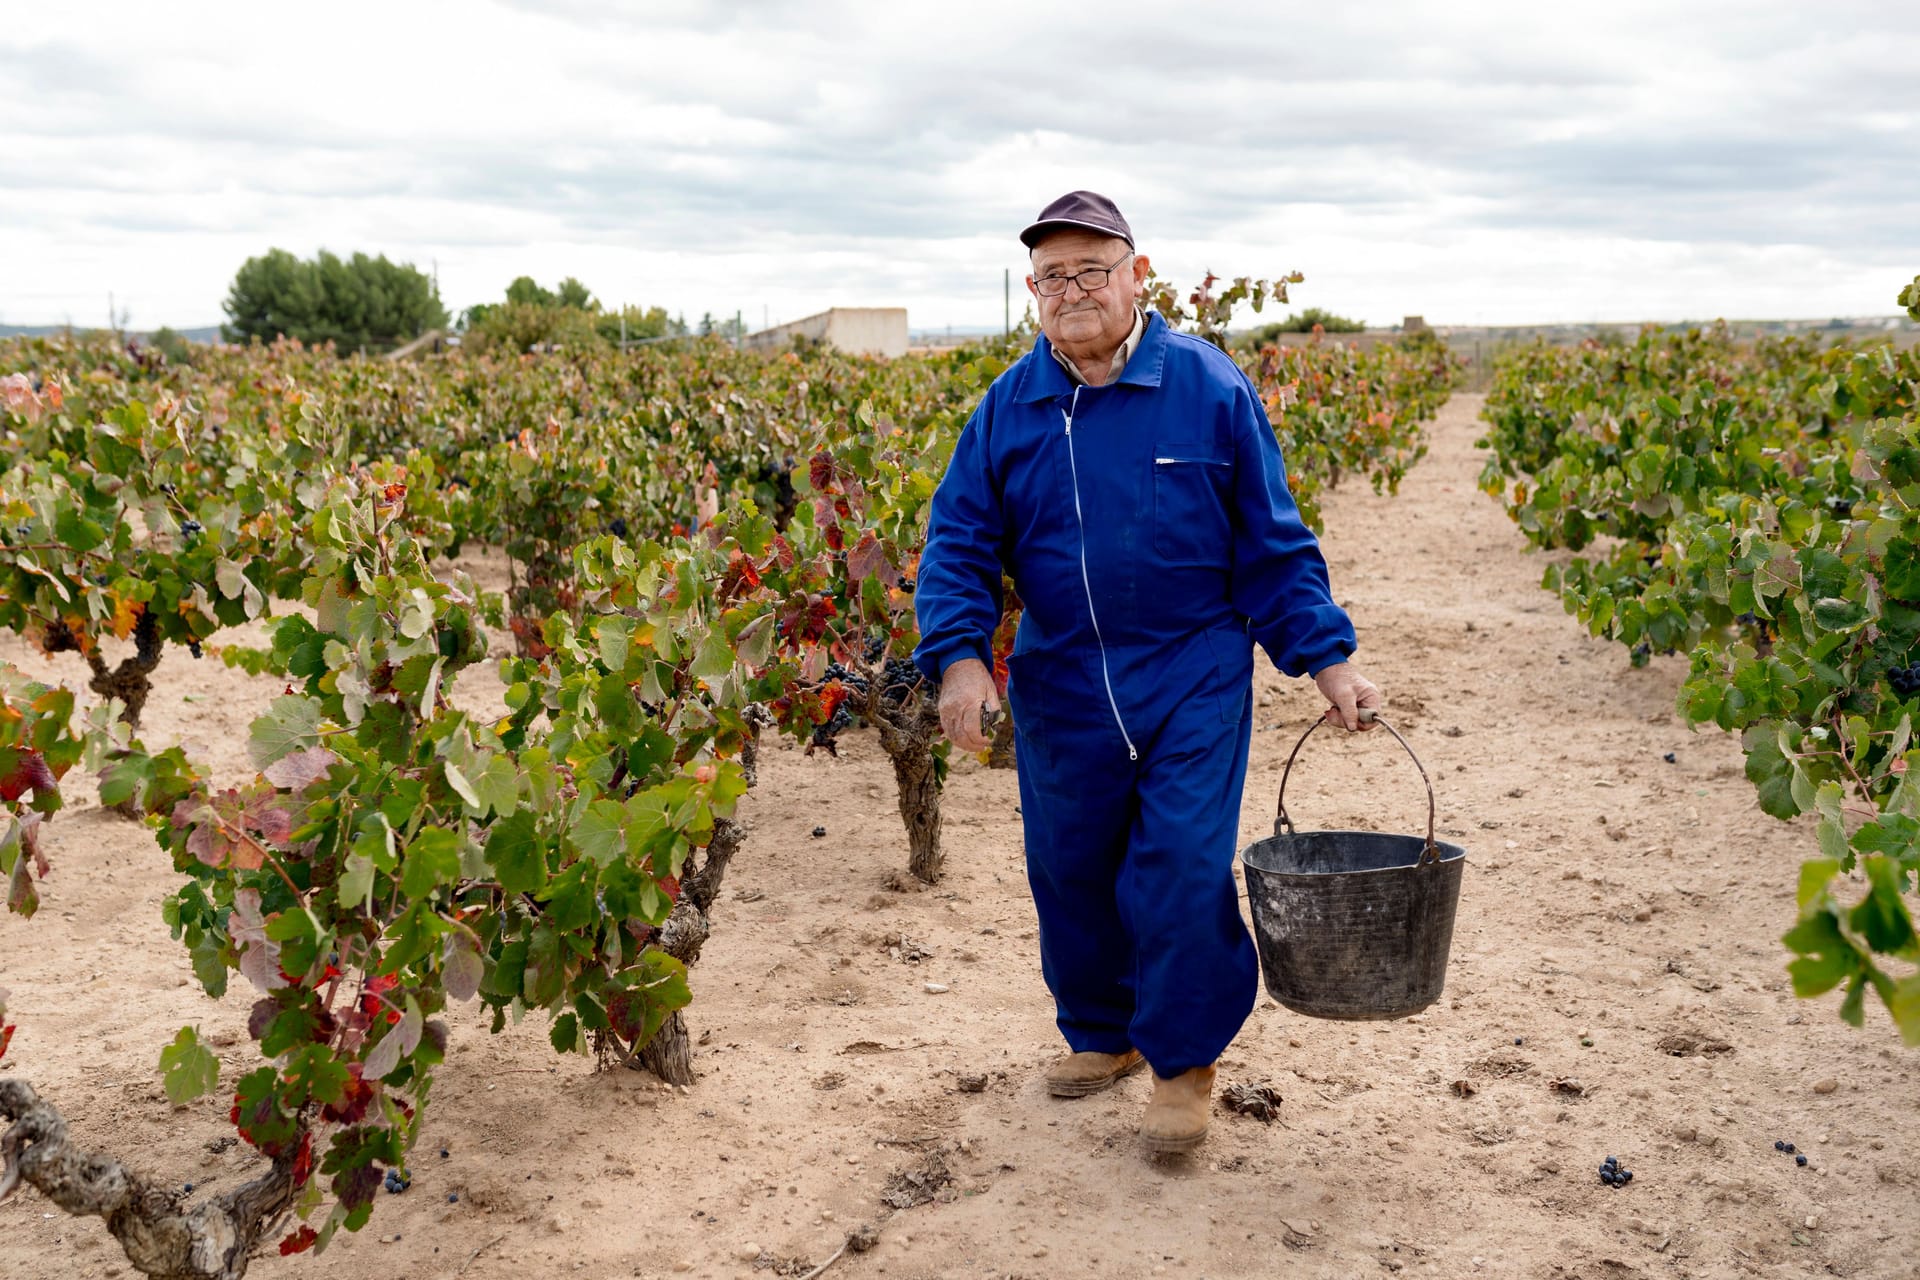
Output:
x,y
1090,281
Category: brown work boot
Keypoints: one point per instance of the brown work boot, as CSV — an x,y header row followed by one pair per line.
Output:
x,y
1079,1074
1176,1119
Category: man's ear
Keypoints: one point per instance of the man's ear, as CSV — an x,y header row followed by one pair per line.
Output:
x,y
1030,289
1142,266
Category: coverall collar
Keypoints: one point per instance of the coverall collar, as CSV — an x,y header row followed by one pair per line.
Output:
x,y
1045,380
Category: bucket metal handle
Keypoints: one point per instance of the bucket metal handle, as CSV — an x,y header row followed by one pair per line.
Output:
x,y
1283,825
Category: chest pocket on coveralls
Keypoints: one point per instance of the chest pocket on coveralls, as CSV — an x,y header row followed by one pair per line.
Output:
x,y
1190,523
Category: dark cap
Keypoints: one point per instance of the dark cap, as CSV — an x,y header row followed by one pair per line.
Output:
x,y
1086,210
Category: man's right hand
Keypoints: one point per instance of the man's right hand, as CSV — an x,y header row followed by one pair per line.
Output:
x,y
965,687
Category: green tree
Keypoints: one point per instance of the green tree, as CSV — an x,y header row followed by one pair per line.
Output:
x,y
1304,322
568,315
351,302
520,326
572,293
525,291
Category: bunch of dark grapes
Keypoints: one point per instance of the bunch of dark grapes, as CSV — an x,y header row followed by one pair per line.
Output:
x,y
842,718
1905,680
898,681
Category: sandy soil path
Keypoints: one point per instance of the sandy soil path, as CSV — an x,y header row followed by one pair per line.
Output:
x,y
1611,894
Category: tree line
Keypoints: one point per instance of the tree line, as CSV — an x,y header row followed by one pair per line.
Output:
x,y
363,303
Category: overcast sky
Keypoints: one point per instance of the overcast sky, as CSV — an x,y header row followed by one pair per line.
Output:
x,y
1472,162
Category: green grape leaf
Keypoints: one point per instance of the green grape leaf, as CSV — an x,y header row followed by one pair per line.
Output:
x,y
189,1068
356,882
1904,1005
498,785
1882,918
715,658
1770,771
1826,957
601,833
432,861
291,724
517,857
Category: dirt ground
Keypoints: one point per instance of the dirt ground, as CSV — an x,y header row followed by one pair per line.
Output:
x,y
1610,895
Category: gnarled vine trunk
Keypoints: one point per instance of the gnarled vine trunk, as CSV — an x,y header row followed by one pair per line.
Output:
x,y
213,1240
669,1054
907,735
130,681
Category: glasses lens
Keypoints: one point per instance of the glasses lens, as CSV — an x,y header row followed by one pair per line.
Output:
x,y
1092,281
1051,286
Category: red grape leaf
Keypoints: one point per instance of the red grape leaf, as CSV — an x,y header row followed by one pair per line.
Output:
x,y
299,1242
21,897
30,842
22,769
267,817
300,770
259,954
820,471
869,558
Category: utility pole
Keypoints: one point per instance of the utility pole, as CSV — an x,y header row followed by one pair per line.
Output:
x,y
623,326
1006,294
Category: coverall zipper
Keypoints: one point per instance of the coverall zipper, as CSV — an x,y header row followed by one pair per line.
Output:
x,y
1105,675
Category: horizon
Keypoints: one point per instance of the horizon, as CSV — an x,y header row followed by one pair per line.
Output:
x,y
1892,322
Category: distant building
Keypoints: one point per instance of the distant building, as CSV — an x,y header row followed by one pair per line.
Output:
x,y
861,331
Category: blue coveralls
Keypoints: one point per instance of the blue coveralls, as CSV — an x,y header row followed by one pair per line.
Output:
x,y
1149,531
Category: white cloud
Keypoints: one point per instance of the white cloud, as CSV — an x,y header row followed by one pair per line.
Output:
x,y
1494,162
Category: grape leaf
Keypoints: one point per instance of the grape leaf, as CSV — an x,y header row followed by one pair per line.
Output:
x,y
356,881
601,833
259,954
461,968
292,724
516,856
498,785
432,860
868,558
300,770
189,1067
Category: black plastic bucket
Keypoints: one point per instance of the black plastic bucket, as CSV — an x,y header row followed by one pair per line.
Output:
x,y
1353,925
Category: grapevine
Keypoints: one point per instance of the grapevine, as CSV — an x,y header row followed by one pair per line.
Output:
x,y
1757,506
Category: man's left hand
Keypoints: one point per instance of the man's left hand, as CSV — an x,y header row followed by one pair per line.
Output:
x,y
1349,692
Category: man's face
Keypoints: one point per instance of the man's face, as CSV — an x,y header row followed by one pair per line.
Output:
x,y
1079,317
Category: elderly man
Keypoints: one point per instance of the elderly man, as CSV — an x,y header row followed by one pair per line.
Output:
x,y
1128,480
